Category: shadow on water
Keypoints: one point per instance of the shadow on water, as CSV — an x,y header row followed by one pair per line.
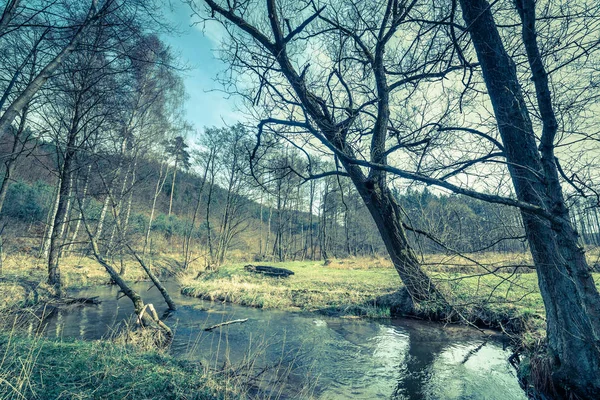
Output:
x,y
333,358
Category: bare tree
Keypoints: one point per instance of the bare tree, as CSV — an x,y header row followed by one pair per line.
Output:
x,y
224,153
368,81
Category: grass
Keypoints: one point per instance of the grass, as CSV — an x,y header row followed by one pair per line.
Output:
x,y
33,368
126,366
81,271
508,300
313,287
36,368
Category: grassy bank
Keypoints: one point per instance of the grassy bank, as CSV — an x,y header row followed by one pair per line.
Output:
x,y
370,287
332,289
39,368
32,368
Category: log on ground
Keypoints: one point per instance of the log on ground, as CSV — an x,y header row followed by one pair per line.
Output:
x,y
269,271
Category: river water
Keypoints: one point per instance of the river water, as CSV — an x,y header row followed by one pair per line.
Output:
x,y
305,355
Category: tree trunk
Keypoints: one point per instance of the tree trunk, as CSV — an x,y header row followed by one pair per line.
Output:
x,y
173,187
7,14
130,199
260,226
159,186
12,158
155,281
50,224
147,319
208,204
188,239
59,218
83,196
310,220
118,207
100,226
387,215
570,297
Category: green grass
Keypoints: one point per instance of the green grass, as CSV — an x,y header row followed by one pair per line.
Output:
x,y
32,368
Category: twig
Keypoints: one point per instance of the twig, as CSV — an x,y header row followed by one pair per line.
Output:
x,y
235,321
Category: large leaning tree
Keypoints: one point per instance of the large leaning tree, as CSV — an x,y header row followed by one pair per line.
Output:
x,y
566,284
339,95
403,89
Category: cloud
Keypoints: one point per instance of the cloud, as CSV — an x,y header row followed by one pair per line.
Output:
x,y
212,30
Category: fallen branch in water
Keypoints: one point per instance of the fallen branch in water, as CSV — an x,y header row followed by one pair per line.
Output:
x,y
235,321
154,279
473,351
82,300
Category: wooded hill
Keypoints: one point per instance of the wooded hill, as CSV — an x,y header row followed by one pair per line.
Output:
x,y
269,224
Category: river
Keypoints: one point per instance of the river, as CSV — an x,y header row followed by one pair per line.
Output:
x,y
306,354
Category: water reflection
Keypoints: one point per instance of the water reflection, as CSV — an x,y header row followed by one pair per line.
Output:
x,y
338,358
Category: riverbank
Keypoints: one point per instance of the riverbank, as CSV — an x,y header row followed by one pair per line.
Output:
x,y
277,354
37,368
507,300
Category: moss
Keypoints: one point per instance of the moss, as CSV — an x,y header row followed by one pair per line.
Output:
x,y
44,369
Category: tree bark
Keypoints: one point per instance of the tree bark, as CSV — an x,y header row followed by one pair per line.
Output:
x,y
188,238
159,186
7,14
83,198
100,226
146,319
61,211
12,158
155,281
570,297
173,187
387,215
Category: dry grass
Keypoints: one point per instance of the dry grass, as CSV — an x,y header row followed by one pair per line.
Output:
x,y
313,287
80,271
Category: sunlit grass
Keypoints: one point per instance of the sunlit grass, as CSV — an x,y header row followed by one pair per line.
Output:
x,y
312,287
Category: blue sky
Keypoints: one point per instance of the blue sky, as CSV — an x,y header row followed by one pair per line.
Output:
x,y
205,106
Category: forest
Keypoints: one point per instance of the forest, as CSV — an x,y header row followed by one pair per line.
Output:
x,y
419,178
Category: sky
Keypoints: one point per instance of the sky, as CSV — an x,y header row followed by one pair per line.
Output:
x,y
206,104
